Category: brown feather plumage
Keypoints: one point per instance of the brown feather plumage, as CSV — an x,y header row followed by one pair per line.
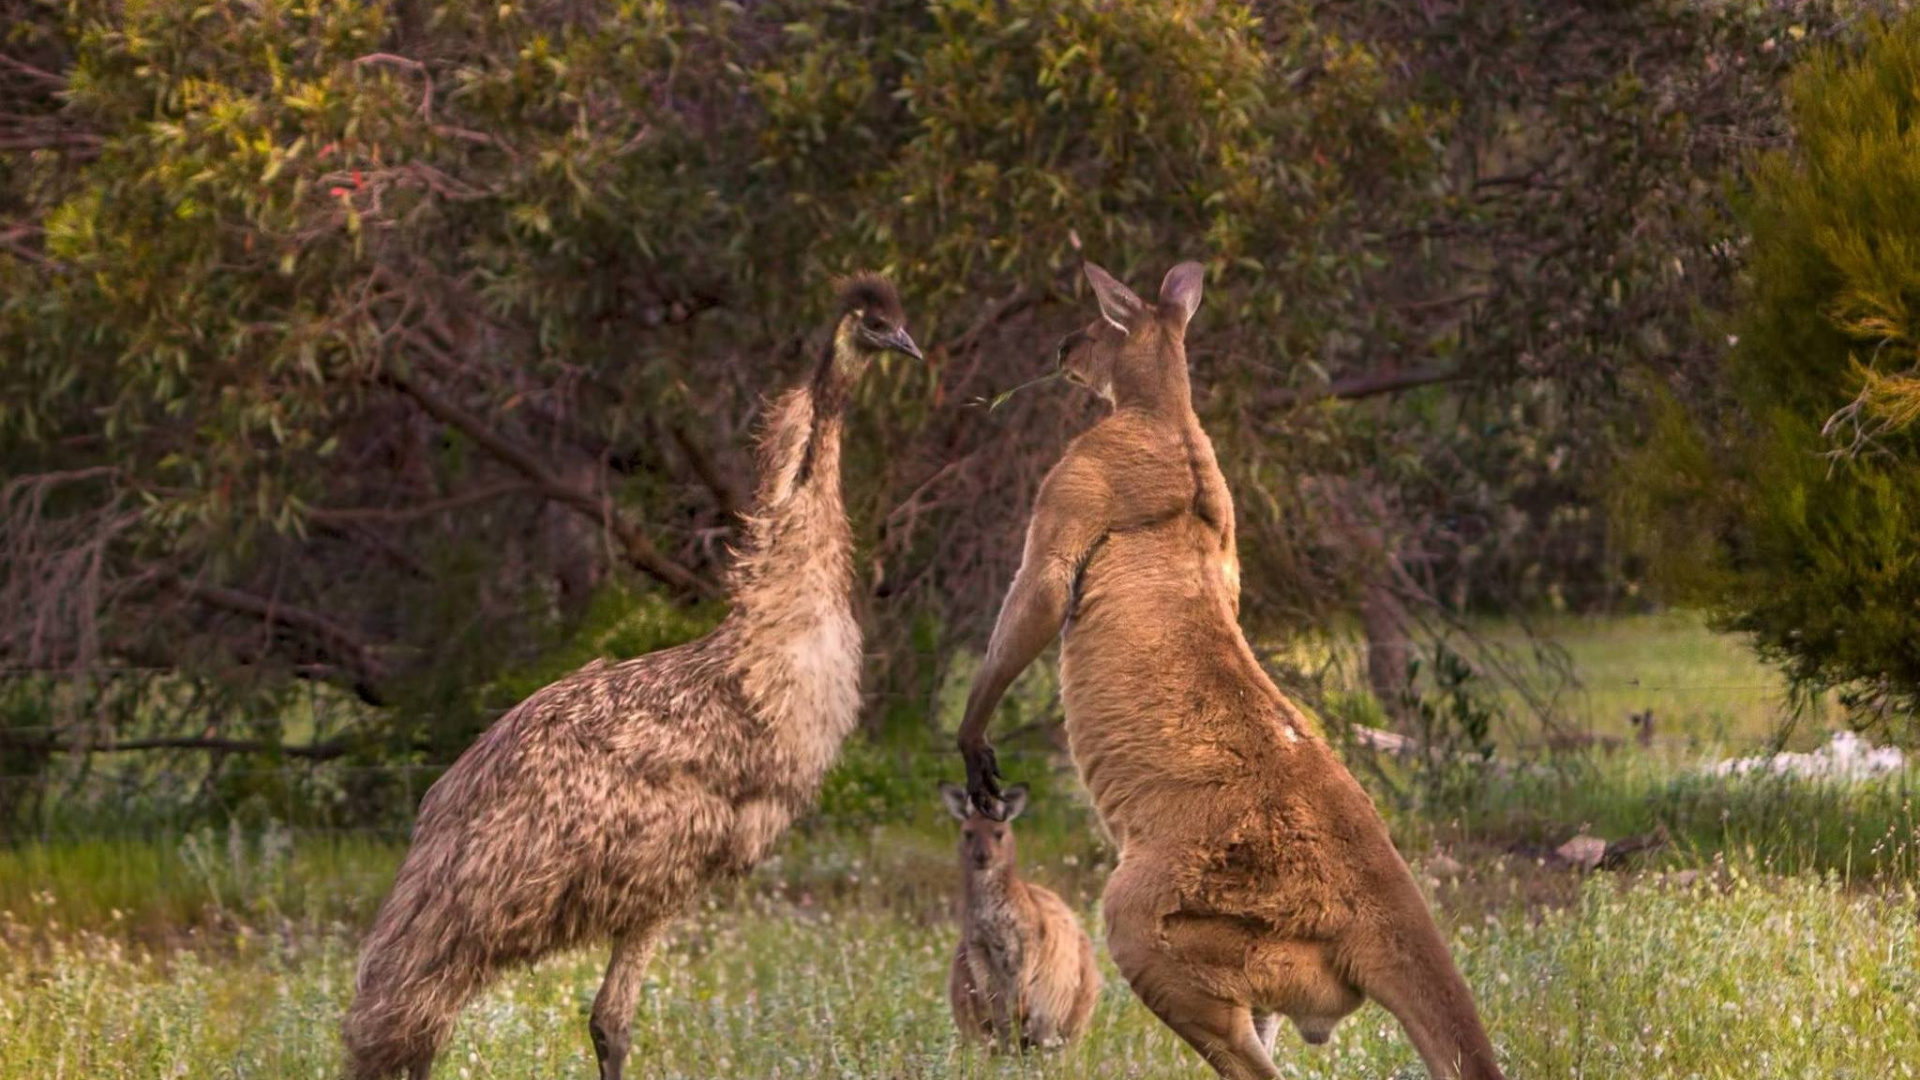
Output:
x,y
601,805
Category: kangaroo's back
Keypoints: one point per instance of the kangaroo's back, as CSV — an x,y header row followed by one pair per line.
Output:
x,y
1255,878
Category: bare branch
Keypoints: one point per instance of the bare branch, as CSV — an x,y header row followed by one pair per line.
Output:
x,y
325,751
54,574
1020,299
324,515
334,638
1373,384
78,143
637,549
725,492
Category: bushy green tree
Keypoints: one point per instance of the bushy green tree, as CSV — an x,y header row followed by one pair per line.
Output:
x,y
1788,509
381,346
368,342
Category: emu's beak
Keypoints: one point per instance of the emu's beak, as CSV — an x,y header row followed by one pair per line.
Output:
x,y
899,342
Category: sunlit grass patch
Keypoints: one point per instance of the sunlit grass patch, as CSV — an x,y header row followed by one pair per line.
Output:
x,y
159,886
1775,978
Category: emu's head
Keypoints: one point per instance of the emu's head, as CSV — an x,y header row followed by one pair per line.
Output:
x,y
871,322
985,844
1135,354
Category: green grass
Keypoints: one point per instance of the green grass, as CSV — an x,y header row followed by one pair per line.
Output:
x,y
1855,830
1705,689
1790,978
1863,833
227,951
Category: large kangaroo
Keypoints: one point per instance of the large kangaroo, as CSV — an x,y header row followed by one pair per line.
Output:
x,y
1255,878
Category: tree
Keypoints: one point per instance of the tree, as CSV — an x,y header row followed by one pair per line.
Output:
x,y
1785,505
382,348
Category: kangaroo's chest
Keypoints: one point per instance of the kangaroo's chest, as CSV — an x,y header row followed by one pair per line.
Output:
x,y
996,944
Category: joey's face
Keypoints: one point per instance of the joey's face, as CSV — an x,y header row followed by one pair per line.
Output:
x,y
986,845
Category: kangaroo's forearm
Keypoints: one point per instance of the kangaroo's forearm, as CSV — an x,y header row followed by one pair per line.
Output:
x,y
1036,607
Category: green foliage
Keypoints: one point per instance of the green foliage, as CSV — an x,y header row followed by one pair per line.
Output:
x,y
618,625
378,344
1733,976
1752,507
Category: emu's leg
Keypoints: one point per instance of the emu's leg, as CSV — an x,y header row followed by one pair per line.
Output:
x,y
612,1020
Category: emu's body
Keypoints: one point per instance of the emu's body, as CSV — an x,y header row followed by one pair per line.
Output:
x,y
601,805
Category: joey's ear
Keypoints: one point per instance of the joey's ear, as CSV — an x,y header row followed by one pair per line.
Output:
x,y
1016,799
955,797
1180,293
1118,305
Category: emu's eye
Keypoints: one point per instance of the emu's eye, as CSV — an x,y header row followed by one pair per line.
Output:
x,y
876,325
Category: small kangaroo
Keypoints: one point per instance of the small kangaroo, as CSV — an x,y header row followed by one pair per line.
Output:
x,y
1255,878
1024,974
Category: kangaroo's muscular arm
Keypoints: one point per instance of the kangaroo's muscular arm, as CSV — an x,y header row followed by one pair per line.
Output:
x,y
1070,516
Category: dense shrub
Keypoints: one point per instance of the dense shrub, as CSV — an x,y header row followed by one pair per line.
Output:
x,y
382,346
1790,512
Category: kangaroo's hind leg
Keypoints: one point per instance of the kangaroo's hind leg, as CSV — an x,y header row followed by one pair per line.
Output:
x,y
612,1021
1408,971
1167,982
1222,1031
1266,1025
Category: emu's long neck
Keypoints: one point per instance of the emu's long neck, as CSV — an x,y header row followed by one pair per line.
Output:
x,y
797,531
799,651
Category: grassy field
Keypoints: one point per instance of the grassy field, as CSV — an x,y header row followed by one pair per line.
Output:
x,y
1706,690
1774,935
1793,978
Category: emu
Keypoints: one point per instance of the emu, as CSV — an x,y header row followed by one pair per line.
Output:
x,y
1024,974
597,808
1255,880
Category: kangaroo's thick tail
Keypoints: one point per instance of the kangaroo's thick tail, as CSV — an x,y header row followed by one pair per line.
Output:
x,y
1409,972
413,978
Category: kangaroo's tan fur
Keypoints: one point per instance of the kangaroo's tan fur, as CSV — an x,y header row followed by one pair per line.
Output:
x,y
1024,974
600,805
1255,878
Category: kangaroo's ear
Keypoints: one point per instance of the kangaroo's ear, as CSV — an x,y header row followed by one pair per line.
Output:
x,y
1118,305
955,797
1016,799
1180,293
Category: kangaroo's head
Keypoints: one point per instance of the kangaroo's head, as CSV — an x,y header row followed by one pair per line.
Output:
x,y
986,845
1134,355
